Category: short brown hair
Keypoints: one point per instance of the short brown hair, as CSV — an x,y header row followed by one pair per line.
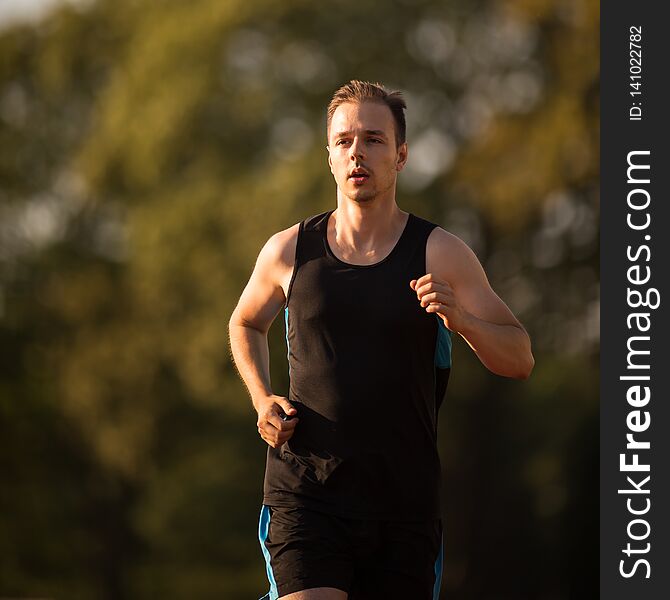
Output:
x,y
361,91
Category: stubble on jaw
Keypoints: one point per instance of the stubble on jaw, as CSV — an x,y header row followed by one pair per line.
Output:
x,y
367,196
362,199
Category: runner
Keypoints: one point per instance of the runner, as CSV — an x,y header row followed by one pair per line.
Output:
x,y
371,296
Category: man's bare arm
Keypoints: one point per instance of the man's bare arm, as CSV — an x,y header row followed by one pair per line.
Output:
x,y
457,289
259,304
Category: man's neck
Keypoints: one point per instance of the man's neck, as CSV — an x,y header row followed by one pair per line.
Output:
x,y
368,225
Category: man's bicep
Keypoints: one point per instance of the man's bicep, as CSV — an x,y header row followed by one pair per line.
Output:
x,y
466,276
259,304
263,295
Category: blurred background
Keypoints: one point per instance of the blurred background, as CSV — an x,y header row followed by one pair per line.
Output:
x,y
147,151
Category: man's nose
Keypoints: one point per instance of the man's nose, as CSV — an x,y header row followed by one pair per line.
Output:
x,y
356,150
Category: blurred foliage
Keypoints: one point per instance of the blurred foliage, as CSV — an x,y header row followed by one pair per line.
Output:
x,y
148,149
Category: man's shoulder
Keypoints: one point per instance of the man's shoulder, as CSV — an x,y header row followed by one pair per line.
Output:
x,y
282,245
442,240
448,252
280,248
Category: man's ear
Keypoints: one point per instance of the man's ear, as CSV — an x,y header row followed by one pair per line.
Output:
x,y
402,156
330,162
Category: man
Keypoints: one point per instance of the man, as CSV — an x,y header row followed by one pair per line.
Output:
x,y
371,295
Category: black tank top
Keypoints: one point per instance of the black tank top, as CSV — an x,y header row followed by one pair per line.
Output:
x,y
368,368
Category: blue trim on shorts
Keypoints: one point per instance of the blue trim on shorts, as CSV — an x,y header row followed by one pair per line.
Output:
x,y
273,593
438,569
263,528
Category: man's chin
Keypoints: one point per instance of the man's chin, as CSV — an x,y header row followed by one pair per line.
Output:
x,y
361,196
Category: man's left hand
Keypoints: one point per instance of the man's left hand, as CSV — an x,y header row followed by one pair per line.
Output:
x,y
437,296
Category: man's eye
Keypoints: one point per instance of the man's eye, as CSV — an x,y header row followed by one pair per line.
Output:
x,y
341,142
376,140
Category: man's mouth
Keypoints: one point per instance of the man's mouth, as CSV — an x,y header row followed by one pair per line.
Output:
x,y
359,176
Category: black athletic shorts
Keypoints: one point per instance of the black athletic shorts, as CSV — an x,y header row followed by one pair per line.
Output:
x,y
369,559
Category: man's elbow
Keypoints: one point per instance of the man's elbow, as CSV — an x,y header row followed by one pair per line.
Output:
x,y
238,322
527,360
233,322
526,368
520,369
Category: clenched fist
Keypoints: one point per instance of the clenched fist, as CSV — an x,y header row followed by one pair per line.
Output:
x,y
438,297
271,426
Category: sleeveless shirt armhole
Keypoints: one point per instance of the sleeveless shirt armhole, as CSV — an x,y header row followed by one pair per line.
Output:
x,y
295,263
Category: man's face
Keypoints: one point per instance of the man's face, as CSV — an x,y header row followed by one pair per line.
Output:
x,y
362,151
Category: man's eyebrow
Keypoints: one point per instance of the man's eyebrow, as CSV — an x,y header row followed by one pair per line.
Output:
x,y
378,132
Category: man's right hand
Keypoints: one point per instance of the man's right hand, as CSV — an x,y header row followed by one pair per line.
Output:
x,y
271,427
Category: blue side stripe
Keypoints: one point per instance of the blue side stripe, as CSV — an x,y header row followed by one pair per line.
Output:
x,y
438,569
442,346
288,347
263,528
